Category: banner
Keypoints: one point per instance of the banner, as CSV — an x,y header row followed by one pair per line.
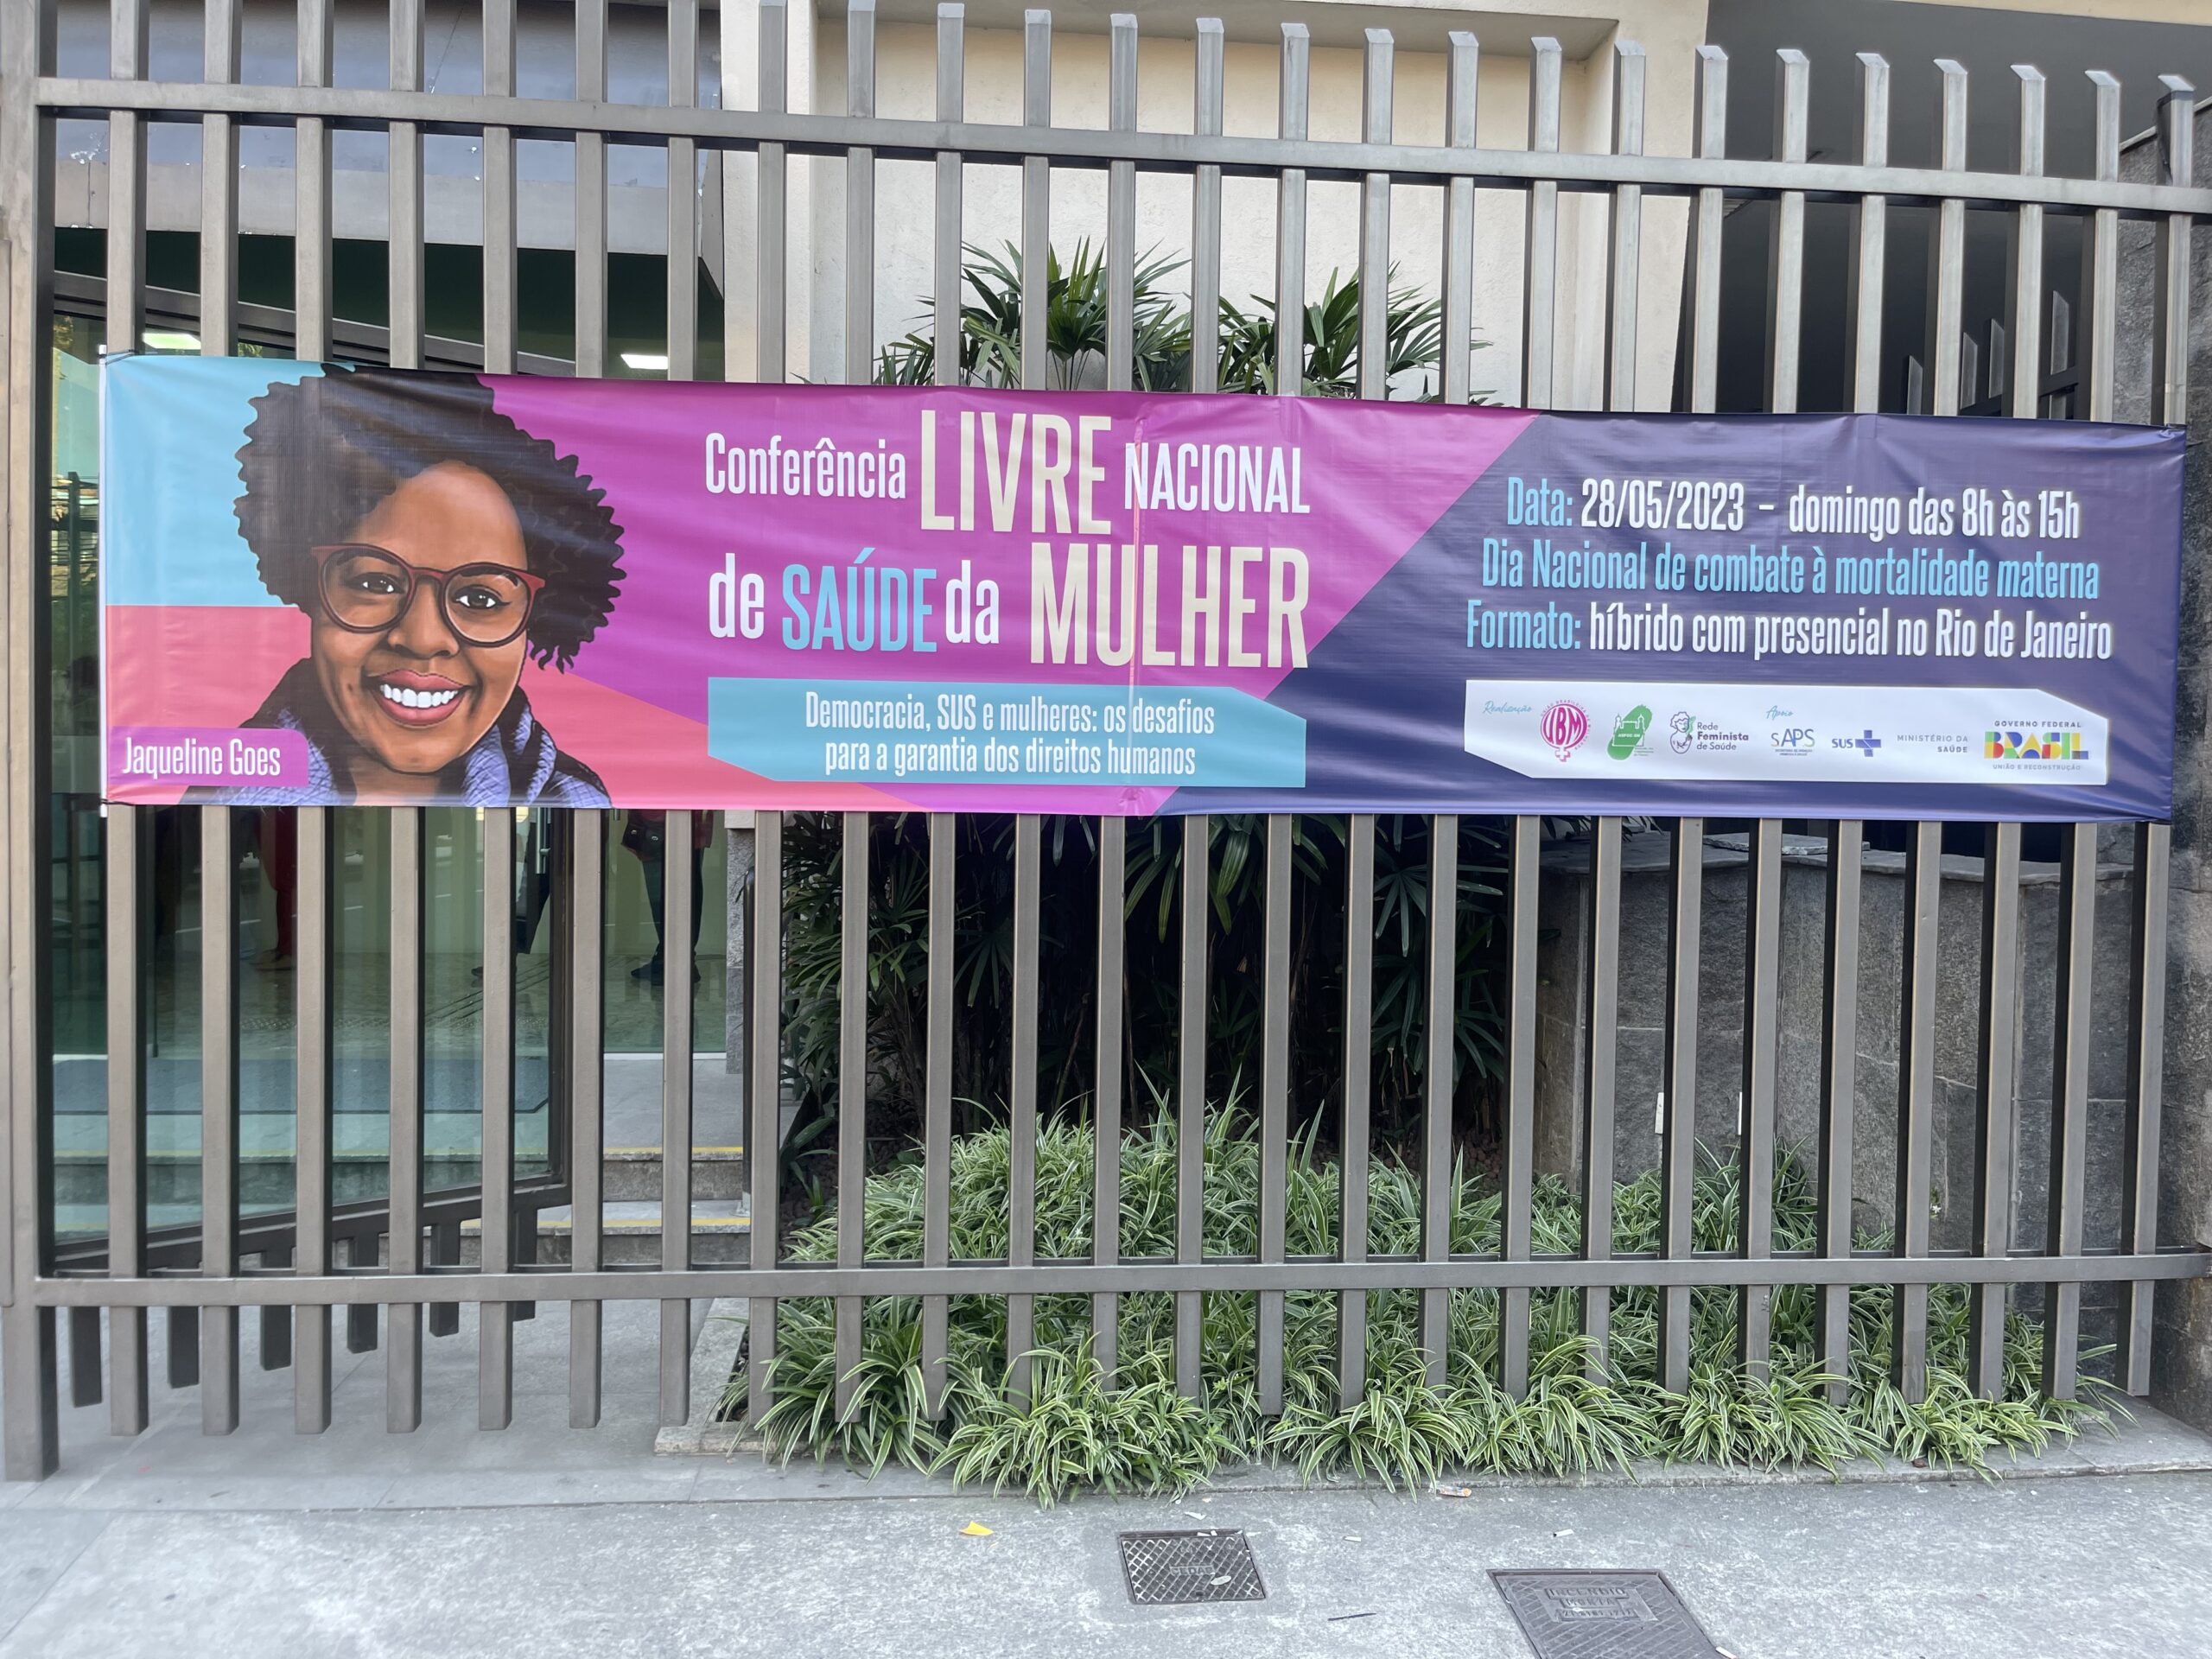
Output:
x,y
324,585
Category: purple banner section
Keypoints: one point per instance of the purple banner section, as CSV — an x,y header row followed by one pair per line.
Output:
x,y
331,585
204,757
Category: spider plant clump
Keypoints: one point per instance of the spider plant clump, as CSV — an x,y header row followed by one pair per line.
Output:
x,y
1062,1424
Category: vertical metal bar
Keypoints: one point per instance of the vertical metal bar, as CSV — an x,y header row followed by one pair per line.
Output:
x,y
1627,233
404,1323
771,189
126,206
2026,368
2101,256
311,194
1436,1170
1994,1148
937,1106
852,1093
860,196
1377,65
1191,1096
764,1087
1036,197
30,1400
2070,1101
1762,1026
311,291
679,902
1870,238
683,271
1600,1036
1205,213
1462,58
591,250
1275,1106
2169,304
500,248
126,1068
311,1239
1540,288
2147,954
1290,244
584,873
2146,1031
1710,120
406,238
218,1329
218,190
1122,211
219,1116
126,1109
1518,1173
1785,294
1021,1096
1838,1093
1359,1069
1106,1113
1375,115
495,1356
1947,257
1924,882
951,101
1678,1105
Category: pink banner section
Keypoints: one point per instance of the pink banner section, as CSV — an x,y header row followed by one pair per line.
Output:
x,y
490,591
168,757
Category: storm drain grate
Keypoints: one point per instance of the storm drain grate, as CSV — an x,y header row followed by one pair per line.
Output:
x,y
1167,1569
1603,1616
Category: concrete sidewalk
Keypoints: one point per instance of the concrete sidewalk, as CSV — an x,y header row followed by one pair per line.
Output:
x,y
2099,1565
449,1540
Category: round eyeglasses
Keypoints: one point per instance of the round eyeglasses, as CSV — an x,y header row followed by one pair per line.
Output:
x,y
365,589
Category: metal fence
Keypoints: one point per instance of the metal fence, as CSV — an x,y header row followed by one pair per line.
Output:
x,y
200,1277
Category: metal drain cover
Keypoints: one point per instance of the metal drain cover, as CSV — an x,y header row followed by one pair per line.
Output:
x,y
1168,1569
1603,1616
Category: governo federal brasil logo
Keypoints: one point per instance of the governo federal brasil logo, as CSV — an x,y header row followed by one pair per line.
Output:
x,y
1564,726
2034,745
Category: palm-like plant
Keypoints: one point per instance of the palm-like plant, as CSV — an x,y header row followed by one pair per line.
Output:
x,y
1075,320
1412,341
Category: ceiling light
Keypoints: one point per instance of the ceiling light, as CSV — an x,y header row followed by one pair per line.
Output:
x,y
646,360
169,339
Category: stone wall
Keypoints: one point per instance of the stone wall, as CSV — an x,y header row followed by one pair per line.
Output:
x,y
1563,915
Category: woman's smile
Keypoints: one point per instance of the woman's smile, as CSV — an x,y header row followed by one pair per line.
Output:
x,y
416,699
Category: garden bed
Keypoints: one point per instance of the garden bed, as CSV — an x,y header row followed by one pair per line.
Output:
x,y
1075,1433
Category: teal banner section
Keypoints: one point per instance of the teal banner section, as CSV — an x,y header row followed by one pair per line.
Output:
x,y
866,731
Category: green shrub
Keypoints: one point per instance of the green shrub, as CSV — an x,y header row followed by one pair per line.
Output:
x,y
1078,1429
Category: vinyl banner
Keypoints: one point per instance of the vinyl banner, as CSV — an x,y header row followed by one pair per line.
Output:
x,y
324,585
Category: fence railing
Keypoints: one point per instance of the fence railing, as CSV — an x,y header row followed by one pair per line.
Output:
x,y
204,1293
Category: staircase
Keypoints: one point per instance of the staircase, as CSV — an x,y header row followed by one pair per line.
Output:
x,y
630,1213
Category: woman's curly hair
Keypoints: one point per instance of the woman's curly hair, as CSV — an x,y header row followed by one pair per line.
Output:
x,y
322,453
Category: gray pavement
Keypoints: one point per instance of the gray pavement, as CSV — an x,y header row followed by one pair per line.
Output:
x,y
449,1540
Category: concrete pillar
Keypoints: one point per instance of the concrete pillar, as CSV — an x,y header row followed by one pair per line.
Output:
x,y
2181,1376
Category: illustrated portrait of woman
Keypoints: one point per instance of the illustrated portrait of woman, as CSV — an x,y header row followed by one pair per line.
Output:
x,y
434,546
